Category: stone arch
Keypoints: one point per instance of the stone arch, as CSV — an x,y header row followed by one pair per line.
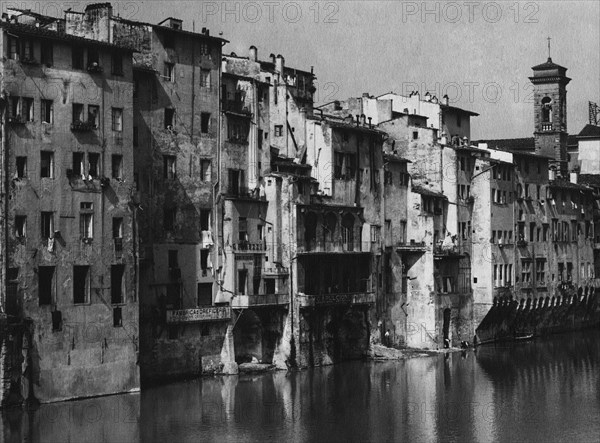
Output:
x,y
546,110
330,222
248,337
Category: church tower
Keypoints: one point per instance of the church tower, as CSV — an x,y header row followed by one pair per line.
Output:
x,y
550,111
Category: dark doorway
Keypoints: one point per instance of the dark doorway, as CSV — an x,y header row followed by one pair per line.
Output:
x,y
446,327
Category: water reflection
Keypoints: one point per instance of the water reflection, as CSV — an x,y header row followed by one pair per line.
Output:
x,y
540,391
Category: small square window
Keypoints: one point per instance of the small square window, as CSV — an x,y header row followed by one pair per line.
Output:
x,y
117,63
117,119
169,166
93,164
204,122
169,118
47,110
278,130
170,72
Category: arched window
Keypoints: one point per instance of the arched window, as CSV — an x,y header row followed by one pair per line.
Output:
x,y
546,110
348,232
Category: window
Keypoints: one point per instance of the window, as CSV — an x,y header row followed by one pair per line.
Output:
x,y
117,316
205,219
345,166
47,110
86,220
375,234
242,277
117,63
45,285
169,166
526,271
532,231
81,284
169,72
21,167
117,166
14,107
47,225
27,50
77,57
204,294
169,118
27,109
204,122
13,47
56,321
169,218
278,130
116,284
117,119
237,129
545,232
78,164
415,136
117,227
93,114
93,165
242,229
20,226
77,112
205,78
47,55
205,170
93,59
47,164
387,178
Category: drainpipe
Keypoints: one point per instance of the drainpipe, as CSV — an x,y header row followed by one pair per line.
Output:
x,y
4,186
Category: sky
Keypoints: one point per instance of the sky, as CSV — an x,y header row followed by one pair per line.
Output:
x,y
479,53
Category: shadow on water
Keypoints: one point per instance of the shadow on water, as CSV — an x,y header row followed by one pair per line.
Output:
x,y
543,390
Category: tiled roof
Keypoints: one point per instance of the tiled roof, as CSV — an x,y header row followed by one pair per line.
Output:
x,y
35,31
549,64
590,131
423,191
511,144
566,184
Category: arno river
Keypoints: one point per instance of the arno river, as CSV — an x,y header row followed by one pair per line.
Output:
x,y
545,390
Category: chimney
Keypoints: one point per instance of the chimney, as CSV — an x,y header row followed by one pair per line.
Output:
x,y
364,119
272,57
253,53
357,119
99,16
446,100
370,124
279,64
223,64
366,95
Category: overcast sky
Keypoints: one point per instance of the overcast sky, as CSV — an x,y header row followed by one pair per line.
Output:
x,y
480,53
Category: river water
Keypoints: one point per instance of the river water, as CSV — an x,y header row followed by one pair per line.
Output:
x,y
544,390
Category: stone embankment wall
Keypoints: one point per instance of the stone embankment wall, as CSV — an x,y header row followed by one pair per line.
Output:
x,y
510,318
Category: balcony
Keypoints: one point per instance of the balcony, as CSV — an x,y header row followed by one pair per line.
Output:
x,y
79,126
546,126
198,315
413,247
17,120
354,298
236,106
249,247
245,193
446,251
250,301
28,61
275,270
334,246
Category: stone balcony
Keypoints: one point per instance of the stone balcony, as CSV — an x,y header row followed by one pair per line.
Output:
x,y
258,300
336,247
353,298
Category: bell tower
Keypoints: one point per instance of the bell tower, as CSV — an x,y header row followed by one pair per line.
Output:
x,y
550,111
